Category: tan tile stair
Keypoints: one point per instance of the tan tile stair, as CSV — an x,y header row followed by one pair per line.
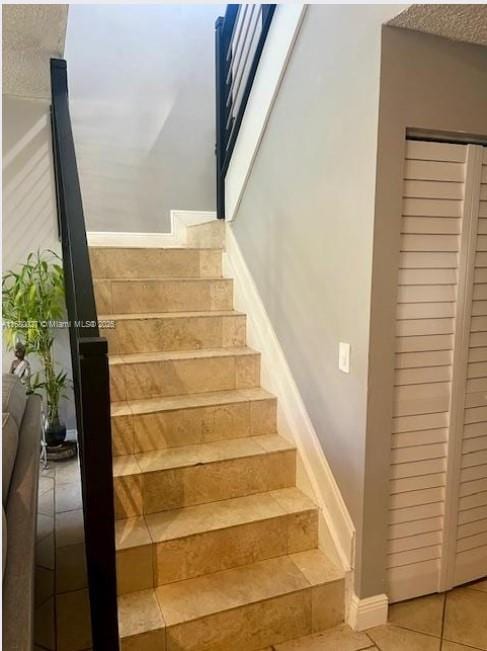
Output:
x,y
148,375
181,544
136,333
131,263
158,423
142,295
216,547
206,472
248,607
209,235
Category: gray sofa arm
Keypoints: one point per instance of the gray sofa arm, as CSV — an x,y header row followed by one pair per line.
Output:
x,y
21,512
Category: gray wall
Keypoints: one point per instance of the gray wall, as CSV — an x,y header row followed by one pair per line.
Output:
x,y
430,83
29,220
142,103
305,225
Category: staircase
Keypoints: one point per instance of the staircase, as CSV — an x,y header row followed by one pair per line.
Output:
x,y
216,547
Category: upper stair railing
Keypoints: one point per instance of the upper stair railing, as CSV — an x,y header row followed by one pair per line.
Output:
x,y
90,376
239,40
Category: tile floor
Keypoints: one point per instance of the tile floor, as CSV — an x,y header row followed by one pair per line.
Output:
x,y
456,621
61,597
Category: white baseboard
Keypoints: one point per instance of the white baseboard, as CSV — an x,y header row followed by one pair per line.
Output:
x,y
294,422
180,220
366,613
132,240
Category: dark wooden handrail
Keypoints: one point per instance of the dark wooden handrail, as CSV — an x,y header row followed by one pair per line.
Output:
x,y
90,375
239,40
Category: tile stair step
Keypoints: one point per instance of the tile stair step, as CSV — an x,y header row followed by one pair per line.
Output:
x,y
156,332
207,234
197,474
149,375
134,316
163,295
133,262
250,607
159,423
184,543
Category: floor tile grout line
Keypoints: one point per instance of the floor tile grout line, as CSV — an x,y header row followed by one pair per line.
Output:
x,y
413,630
443,617
376,646
467,646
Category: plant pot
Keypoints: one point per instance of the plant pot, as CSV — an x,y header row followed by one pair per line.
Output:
x,y
55,433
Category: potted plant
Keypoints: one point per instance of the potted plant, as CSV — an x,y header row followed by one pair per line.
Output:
x,y
33,298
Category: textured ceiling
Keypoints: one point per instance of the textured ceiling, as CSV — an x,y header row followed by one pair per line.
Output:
x,y
31,35
460,22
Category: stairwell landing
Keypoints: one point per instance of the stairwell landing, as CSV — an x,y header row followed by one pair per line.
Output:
x,y
216,547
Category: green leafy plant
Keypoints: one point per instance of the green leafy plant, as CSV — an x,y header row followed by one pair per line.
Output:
x,y
33,298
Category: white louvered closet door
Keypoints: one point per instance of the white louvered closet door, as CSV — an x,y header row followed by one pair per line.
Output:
x,y
465,556
438,229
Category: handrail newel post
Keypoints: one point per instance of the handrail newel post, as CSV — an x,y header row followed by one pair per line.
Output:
x,y
91,381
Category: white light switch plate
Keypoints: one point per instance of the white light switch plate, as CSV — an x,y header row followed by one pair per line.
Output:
x,y
344,357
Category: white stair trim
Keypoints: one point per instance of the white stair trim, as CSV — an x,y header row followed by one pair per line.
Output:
x,y
180,219
131,240
293,420
366,613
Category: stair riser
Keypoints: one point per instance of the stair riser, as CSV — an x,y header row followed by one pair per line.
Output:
x,y
183,376
175,488
148,566
166,429
262,624
139,296
177,333
134,263
210,235
147,641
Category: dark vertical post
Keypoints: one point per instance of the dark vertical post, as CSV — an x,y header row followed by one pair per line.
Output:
x,y
97,484
90,376
220,73
73,229
267,13
223,60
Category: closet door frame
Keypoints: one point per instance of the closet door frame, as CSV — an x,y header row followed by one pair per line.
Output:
x,y
465,285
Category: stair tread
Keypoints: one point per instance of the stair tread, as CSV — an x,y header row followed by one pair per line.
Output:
x,y
157,248
138,613
127,316
176,355
165,279
193,520
206,595
201,453
188,401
